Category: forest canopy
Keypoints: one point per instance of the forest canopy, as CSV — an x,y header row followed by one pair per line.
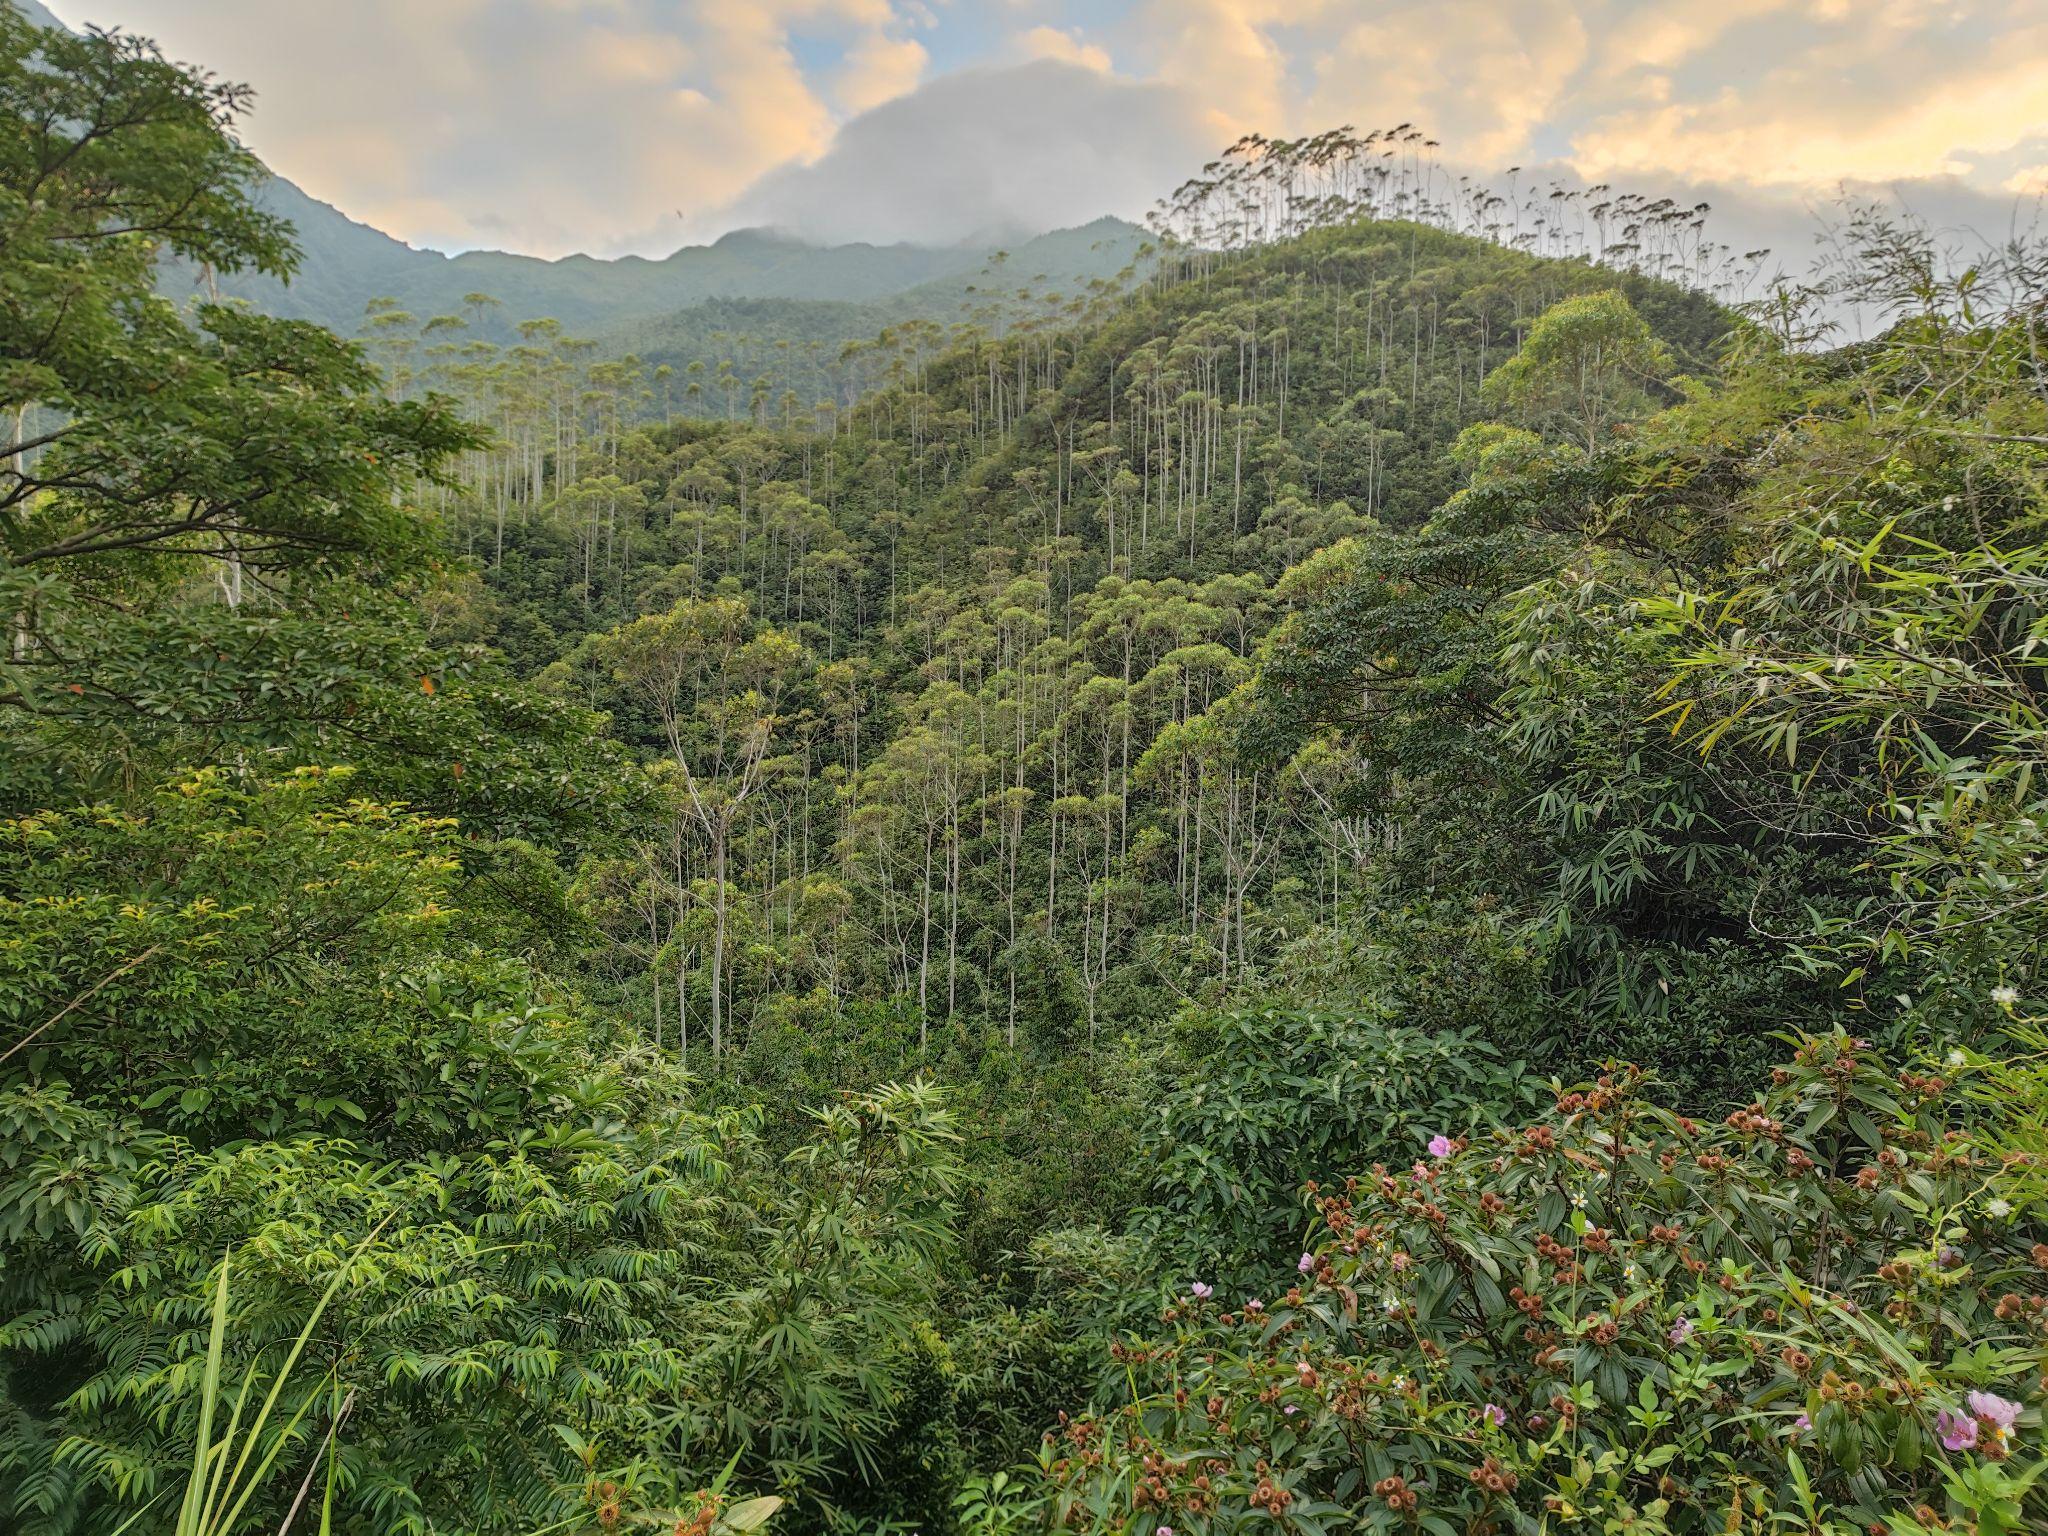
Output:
x,y
1384,876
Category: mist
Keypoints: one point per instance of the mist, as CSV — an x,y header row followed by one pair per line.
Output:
x,y
985,155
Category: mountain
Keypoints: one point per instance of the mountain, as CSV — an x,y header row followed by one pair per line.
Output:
x,y
345,264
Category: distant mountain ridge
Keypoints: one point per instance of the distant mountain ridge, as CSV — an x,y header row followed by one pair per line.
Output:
x,y
345,264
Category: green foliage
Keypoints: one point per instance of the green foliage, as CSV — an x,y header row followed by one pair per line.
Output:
x,y
1879,635
229,960
223,1479
1618,1315
1260,1101
1585,367
1123,759
117,154
673,1296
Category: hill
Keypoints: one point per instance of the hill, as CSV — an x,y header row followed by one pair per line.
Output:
x,y
1016,543
345,264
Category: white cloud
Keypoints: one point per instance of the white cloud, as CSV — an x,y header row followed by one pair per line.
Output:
x,y
1481,78
1813,119
549,126
1068,47
879,69
987,153
1223,54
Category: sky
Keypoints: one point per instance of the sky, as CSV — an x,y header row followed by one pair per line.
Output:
x,y
636,126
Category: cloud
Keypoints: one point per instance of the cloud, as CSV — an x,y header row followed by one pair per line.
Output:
x,y
1223,54
880,69
550,126
1052,43
988,152
614,125
1869,113
1480,77
1665,33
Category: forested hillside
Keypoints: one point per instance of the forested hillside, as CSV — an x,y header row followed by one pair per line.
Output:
x,y
1006,606
1382,876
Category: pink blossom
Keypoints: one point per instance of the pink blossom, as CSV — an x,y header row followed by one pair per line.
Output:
x,y
1253,1304
1681,1330
1439,1145
1958,1433
1308,1262
1494,1414
1995,1418
1202,1292
1994,1409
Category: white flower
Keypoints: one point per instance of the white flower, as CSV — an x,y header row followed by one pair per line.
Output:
x,y
2005,997
1998,1210
1578,1202
1955,1058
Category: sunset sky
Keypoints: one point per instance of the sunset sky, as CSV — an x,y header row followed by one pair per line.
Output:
x,y
611,126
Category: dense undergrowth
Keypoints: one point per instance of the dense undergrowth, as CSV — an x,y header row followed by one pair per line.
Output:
x,y
1385,884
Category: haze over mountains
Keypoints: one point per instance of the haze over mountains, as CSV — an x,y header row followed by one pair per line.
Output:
x,y
345,264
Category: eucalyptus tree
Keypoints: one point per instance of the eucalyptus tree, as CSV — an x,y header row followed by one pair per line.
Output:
x,y
716,683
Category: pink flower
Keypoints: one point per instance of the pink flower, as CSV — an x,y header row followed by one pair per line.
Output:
x,y
1439,1145
1994,1409
1290,1408
1681,1330
1995,1419
1308,1262
1253,1304
1494,1414
1201,1292
1801,1425
1957,1432
1164,1530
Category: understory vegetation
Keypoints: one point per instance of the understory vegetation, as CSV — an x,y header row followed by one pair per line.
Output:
x,y
1387,878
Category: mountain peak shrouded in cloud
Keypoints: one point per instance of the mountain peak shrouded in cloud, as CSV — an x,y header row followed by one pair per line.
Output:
x,y
988,153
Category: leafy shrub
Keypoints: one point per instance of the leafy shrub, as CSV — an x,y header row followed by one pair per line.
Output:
x,y
1044,1346
1266,1098
573,1315
1820,1313
229,957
